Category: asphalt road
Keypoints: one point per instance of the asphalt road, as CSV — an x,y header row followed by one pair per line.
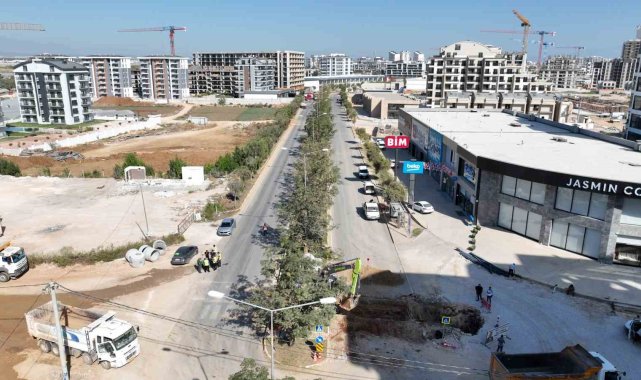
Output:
x,y
353,235
242,253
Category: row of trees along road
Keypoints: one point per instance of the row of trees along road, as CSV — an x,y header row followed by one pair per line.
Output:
x,y
291,269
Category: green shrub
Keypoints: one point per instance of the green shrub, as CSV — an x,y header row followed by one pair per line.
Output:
x,y
9,168
471,247
211,209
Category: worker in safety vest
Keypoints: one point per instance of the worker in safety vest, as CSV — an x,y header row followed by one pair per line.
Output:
x,y
217,258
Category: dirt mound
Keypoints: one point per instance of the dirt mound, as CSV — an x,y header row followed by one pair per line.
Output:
x,y
374,276
412,318
112,101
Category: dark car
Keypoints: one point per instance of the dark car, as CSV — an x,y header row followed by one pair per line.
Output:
x,y
226,227
184,254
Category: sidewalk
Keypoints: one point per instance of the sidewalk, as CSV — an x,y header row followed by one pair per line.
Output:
x,y
544,264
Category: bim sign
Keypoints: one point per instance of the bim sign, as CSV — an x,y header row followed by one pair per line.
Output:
x,y
413,167
397,142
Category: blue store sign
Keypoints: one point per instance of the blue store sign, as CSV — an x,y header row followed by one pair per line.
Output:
x,y
413,167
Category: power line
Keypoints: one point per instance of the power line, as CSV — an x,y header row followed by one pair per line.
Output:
x,y
353,356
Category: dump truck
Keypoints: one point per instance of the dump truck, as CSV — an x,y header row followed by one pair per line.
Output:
x,y
571,363
94,336
13,261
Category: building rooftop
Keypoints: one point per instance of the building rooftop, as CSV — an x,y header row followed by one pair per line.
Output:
x,y
391,97
531,144
61,64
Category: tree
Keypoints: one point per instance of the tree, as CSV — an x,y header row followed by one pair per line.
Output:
x,y
235,186
175,168
9,168
131,159
394,191
222,100
7,82
250,370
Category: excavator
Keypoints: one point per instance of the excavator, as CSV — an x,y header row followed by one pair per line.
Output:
x,y
353,264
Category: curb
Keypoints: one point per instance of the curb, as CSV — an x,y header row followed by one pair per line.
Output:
x,y
493,269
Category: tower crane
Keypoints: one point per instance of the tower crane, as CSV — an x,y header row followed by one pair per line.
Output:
x,y
21,26
525,23
577,48
171,29
541,33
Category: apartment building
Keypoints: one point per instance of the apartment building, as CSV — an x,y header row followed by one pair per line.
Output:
x,y
110,75
136,81
253,74
334,65
289,74
366,65
633,128
405,69
53,91
476,67
163,77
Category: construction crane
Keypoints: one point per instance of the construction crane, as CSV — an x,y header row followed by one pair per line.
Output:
x,y
171,29
525,23
577,48
541,33
21,26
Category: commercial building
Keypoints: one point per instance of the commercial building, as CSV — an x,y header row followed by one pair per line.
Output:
x,y
53,91
315,83
334,65
110,75
385,105
163,77
562,186
473,66
290,66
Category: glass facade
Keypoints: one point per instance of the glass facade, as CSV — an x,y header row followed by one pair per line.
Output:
x,y
521,221
520,188
575,238
582,202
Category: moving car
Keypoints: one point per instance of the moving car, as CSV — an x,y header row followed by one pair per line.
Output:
x,y
226,227
370,209
363,172
423,207
184,255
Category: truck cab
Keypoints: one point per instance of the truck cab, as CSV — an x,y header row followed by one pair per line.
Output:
x,y
608,370
13,262
116,342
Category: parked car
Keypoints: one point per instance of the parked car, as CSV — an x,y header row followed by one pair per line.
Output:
x,y
363,172
392,163
370,209
368,188
380,143
423,207
226,227
184,255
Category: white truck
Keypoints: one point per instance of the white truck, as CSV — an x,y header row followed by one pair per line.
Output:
x,y
94,336
13,262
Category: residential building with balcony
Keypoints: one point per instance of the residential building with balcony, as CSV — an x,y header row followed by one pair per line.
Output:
x,y
53,91
334,65
110,75
475,67
164,77
213,67
633,127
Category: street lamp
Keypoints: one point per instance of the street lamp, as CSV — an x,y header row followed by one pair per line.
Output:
x,y
221,295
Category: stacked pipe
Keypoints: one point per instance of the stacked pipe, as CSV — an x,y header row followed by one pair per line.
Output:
x,y
136,257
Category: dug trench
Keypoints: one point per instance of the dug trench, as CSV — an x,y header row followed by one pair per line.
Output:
x,y
15,341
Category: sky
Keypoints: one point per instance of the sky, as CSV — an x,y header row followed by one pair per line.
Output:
x,y
356,28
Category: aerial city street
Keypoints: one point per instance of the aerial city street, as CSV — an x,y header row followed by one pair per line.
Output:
x,y
270,190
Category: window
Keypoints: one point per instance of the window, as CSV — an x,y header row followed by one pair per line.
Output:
x,y
523,189
520,221
598,206
576,239
457,47
636,103
581,202
520,188
537,195
631,212
508,186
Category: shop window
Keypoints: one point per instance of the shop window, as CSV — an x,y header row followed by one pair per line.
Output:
x,y
559,234
508,185
580,202
538,193
631,211
574,241
520,221
533,226
598,206
592,243
523,189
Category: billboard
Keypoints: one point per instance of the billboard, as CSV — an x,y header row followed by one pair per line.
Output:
x,y
435,146
469,172
397,142
413,167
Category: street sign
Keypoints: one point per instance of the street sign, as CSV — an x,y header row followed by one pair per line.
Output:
x,y
445,320
397,142
319,339
413,167
319,328
319,347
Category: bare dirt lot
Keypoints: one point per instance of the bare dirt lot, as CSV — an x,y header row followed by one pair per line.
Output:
x,y
195,145
140,108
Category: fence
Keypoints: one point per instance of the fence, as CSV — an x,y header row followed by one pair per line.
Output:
x,y
186,222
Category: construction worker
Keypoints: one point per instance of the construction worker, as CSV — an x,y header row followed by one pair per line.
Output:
x,y
199,265
218,259
205,264
501,343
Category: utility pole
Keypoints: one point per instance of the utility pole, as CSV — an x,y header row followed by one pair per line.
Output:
x,y
144,209
51,289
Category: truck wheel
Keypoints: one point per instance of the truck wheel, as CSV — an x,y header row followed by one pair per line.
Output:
x,y
54,349
105,364
87,359
76,352
44,346
4,277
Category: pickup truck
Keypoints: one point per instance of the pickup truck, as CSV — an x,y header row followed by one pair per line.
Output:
x,y
571,363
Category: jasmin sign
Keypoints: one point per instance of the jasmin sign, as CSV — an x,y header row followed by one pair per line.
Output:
x,y
606,187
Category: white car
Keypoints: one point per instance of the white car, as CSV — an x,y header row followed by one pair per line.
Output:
x,y
370,209
381,144
363,172
423,207
392,163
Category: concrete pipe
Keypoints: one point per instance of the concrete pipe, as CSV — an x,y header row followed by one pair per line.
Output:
x,y
148,252
135,258
160,246
153,256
